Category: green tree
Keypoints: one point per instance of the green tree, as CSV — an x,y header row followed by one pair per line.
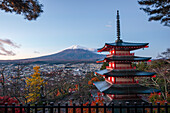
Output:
x,y
31,9
162,79
104,65
142,66
161,67
158,10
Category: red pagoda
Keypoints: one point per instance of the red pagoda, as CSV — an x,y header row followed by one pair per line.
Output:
x,y
120,84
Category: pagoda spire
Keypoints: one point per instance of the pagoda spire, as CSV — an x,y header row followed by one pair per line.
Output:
x,y
118,28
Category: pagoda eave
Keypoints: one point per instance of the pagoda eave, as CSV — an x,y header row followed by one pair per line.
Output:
x,y
124,73
121,61
123,45
119,89
125,76
124,59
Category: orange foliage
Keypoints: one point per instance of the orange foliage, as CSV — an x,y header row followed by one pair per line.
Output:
x,y
58,93
98,100
155,98
9,101
76,87
93,80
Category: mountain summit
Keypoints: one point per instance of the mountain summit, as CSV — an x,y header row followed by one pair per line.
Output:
x,y
81,47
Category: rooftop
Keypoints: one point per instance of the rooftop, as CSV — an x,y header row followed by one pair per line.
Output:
x,y
120,89
125,45
124,73
125,58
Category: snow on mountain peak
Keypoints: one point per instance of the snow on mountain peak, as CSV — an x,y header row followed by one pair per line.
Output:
x,y
75,47
81,47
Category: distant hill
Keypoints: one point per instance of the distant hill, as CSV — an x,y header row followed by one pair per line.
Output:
x,y
67,55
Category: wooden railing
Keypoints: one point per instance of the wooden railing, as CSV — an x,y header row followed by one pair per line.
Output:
x,y
121,54
111,108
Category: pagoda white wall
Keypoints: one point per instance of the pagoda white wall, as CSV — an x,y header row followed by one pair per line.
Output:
x,y
123,65
124,79
111,79
122,52
112,52
111,64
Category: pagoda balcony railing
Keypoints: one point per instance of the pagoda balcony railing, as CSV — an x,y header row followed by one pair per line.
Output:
x,y
121,54
122,82
80,108
127,82
125,54
120,67
123,68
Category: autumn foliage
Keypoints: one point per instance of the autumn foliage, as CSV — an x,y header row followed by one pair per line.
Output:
x,y
33,86
157,98
9,101
93,80
99,100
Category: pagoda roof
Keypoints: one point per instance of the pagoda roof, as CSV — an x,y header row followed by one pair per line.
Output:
x,y
126,45
124,58
120,89
124,73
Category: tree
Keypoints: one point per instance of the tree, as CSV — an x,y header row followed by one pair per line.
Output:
x,y
94,79
142,66
165,55
159,10
155,98
2,80
163,76
33,86
99,99
16,82
31,9
10,101
162,80
104,65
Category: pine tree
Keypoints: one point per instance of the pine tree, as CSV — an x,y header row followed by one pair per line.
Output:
x,y
31,9
159,10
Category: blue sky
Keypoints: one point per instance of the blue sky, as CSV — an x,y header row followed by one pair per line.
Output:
x,y
89,23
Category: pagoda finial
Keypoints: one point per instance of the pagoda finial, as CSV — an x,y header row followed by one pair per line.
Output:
x,y
118,28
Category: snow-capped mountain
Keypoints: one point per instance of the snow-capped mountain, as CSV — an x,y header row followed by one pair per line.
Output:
x,y
81,47
74,53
